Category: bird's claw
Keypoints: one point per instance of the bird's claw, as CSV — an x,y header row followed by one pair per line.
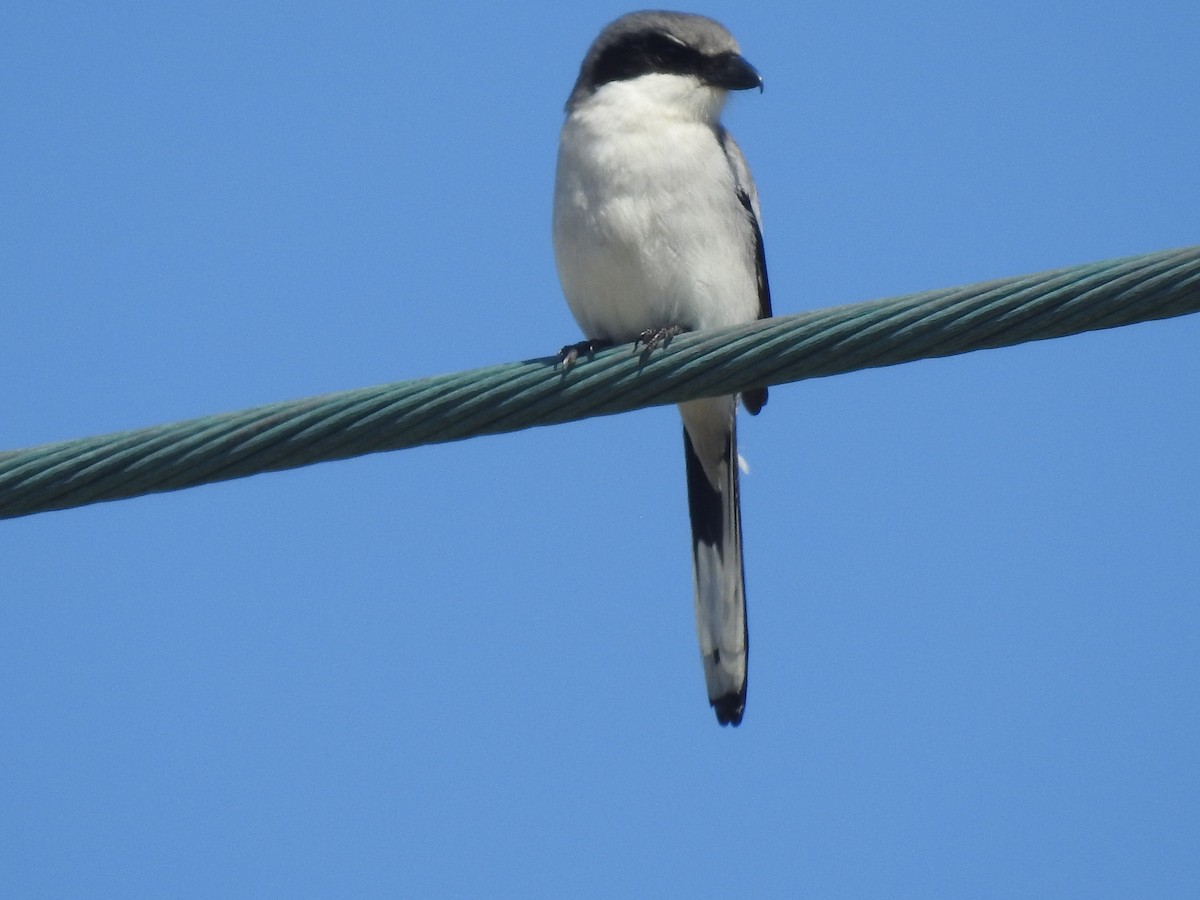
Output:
x,y
653,338
569,354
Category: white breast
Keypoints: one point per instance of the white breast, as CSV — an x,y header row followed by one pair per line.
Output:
x,y
648,228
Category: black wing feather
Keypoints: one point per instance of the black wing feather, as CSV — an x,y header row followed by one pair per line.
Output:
x,y
756,398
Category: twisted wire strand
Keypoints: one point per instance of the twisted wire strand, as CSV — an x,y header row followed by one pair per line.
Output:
x,y
537,392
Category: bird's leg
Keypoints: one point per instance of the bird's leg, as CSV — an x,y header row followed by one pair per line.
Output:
x,y
653,338
570,353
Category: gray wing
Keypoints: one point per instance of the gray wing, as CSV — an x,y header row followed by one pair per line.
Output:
x,y
754,400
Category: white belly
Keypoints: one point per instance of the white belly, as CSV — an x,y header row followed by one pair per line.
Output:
x,y
649,232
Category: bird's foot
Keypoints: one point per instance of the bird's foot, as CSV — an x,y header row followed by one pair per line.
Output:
x,y
570,353
653,338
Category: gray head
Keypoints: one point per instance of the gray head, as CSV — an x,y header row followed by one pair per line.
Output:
x,y
654,41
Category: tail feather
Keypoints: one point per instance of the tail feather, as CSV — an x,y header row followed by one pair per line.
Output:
x,y
710,449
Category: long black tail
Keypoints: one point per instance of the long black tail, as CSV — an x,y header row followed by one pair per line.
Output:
x,y
720,581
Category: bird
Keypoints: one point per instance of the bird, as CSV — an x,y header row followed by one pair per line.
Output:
x,y
656,232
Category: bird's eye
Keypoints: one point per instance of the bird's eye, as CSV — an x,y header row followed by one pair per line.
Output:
x,y
644,53
672,54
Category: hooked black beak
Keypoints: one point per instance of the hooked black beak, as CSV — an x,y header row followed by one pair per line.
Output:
x,y
731,72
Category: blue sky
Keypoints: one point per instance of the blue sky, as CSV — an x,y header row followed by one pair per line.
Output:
x,y
973,582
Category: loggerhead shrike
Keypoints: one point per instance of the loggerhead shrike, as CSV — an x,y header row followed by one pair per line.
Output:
x,y
655,233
